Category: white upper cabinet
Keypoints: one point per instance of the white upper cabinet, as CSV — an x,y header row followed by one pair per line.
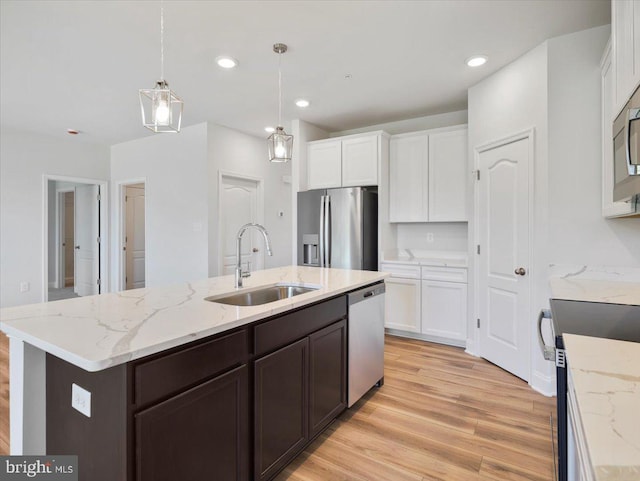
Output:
x,y
428,176
625,20
350,161
407,176
360,161
448,176
324,165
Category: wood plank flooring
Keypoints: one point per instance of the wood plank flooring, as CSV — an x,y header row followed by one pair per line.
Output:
x,y
441,415
4,394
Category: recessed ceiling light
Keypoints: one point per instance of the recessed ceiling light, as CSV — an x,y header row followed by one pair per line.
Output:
x,y
226,62
476,60
269,129
302,103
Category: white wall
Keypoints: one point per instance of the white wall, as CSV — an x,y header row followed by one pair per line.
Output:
x,y
232,151
412,125
578,234
24,159
176,211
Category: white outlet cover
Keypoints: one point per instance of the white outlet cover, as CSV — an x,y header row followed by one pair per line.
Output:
x,y
81,400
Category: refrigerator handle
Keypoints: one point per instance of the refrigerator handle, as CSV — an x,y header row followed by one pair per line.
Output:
x,y
328,230
321,233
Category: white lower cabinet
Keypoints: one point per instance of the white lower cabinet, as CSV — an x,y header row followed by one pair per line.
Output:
x,y
578,463
444,310
427,303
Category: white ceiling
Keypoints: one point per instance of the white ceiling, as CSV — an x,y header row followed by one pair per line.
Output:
x,y
79,64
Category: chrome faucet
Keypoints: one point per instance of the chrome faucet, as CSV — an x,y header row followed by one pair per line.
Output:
x,y
267,242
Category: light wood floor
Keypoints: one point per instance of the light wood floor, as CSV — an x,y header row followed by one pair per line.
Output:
x,y
4,394
441,415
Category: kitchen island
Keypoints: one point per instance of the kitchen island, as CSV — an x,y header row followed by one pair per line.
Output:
x,y
155,358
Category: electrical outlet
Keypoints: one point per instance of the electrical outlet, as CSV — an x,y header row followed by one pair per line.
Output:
x,y
25,286
81,400
430,237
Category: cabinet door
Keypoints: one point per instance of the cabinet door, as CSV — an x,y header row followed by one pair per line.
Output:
x,y
408,171
444,309
327,375
360,161
199,435
448,176
281,393
402,304
622,18
324,165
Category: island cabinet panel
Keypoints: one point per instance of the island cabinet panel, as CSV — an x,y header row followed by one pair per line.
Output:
x,y
280,408
168,374
99,441
199,435
327,375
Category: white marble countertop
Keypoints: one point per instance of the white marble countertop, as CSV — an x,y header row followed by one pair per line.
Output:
x,y
595,290
426,258
97,332
606,381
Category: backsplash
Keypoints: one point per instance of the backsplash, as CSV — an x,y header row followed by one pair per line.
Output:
x,y
433,236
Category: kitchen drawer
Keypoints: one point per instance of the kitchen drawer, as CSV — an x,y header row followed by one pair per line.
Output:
x,y
446,274
407,271
286,329
169,374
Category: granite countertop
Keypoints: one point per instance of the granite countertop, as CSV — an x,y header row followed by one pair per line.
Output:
x,y
606,380
97,332
595,290
426,258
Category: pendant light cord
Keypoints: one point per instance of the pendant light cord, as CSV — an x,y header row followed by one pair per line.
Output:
x,y
162,40
280,90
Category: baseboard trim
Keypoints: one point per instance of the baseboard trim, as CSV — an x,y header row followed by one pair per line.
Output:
x,y
424,337
545,385
53,284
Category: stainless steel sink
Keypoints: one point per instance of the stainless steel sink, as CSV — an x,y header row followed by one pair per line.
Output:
x,y
262,295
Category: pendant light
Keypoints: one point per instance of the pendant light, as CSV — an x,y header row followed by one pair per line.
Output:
x,y
161,108
280,143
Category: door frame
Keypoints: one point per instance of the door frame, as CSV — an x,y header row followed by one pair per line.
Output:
x,y
104,228
120,264
60,236
222,174
475,347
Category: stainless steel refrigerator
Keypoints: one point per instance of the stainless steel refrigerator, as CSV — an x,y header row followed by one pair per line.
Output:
x,y
338,228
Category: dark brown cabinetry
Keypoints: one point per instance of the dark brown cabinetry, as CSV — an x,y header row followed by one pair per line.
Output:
x,y
234,407
199,435
281,407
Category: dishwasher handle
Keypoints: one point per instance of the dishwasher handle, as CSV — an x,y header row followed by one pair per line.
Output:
x,y
367,293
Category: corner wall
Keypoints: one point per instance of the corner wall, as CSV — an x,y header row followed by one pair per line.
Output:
x,y
24,159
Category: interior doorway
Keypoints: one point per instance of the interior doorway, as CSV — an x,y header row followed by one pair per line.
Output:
x,y
74,253
134,236
240,202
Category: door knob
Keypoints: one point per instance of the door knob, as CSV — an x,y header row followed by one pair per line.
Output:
x,y
77,247
255,249
520,271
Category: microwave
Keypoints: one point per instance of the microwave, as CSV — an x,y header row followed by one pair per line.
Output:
x,y
626,151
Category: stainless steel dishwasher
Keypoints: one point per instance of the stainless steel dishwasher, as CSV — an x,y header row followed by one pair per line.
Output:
x,y
366,340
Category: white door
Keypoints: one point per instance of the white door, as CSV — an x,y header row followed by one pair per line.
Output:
x,y
87,247
240,204
503,220
134,240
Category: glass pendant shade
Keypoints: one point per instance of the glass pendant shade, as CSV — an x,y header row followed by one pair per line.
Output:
x,y
280,146
161,108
